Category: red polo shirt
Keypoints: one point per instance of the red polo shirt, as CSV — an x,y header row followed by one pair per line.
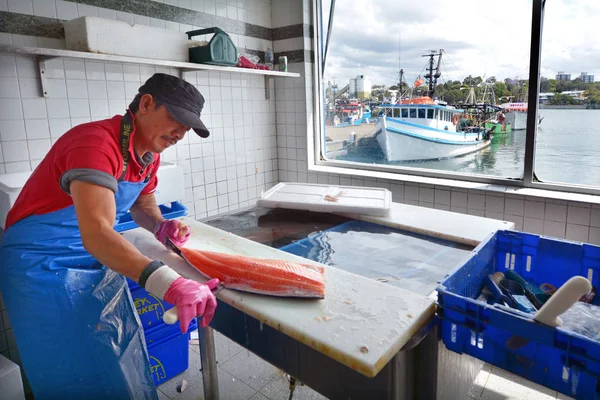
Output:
x,y
89,152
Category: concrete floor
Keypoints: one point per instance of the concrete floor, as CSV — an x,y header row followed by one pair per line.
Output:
x,y
244,376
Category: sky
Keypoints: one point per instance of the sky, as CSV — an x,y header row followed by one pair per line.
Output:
x,y
479,38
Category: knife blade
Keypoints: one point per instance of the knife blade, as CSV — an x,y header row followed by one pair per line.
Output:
x,y
170,316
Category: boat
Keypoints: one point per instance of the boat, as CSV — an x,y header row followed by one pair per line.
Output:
x,y
516,115
420,128
423,131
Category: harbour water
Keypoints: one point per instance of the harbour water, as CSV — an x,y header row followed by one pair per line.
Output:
x,y
567,151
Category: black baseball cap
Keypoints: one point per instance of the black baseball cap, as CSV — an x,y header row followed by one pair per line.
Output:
x,y
183,101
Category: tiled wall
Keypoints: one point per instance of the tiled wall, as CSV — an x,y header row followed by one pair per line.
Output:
x,y
227,171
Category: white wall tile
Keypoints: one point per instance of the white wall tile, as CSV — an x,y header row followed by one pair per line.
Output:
x,y
514,206
15,167
44,8
535,209
56,88
578,233
533,225
59,126
9,88
11,130
37,129
77,89
38,148
79,108
114,72
107,13
458,199
475,201
20,6
94,70
131,73
594,237
15,151
85,10
74,69
30,87
556,212
99,108
555,229
578,215
34,108
8,66
10,109
116,90
66,10
97,89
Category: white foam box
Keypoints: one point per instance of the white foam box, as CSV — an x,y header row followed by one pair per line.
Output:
x,y
328,198
11,384
105,36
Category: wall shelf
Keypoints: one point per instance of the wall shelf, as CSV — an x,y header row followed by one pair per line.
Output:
x,y
44,54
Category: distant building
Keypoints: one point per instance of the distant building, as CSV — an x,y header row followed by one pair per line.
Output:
x,y
561,76
360,87
576,94
586,78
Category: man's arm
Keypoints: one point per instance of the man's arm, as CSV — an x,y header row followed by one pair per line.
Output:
x,y
145,212
96,210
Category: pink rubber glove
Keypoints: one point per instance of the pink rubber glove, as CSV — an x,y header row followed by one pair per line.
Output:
x,y
192,300
178,232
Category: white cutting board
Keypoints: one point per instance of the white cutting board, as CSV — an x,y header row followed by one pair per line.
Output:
x,y
328,198
357,313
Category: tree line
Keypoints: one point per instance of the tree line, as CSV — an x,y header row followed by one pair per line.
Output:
x,y
456,92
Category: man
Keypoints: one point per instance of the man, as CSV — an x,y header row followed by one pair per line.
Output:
x,y
63,263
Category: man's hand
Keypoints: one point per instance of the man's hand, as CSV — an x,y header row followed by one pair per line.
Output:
x,y
176,231
192,300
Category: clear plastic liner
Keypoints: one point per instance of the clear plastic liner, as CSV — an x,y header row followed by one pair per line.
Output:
x,y
584,319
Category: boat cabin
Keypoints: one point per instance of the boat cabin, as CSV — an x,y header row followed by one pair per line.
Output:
x,y
433,116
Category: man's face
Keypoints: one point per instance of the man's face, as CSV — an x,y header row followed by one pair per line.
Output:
x,y
156,129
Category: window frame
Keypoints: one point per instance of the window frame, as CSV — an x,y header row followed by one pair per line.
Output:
x,y
529,181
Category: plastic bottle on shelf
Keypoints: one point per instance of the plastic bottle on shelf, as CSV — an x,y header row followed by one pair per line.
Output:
x,y
269,58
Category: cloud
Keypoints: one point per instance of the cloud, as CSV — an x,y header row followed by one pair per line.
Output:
x,y
479,38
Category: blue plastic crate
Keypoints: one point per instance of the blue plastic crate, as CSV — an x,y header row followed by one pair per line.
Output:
x,y
168,351
150,308
563,361
169,212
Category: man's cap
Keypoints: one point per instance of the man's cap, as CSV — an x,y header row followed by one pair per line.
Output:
x,y
183,101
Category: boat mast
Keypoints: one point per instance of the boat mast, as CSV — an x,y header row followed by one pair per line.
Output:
x,y
430,76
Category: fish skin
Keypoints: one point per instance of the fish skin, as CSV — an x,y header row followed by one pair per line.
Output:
x,y
258,275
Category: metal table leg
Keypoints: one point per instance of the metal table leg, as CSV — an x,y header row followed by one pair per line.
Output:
x,y
209,363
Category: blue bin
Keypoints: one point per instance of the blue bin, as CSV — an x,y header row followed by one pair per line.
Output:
x,y
555,358
168,350
149,307
175,210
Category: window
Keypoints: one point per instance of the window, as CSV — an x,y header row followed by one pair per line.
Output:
x,y
544,45
567,146
396,112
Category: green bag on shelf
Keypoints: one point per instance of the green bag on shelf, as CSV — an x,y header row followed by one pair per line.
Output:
x,y
219,51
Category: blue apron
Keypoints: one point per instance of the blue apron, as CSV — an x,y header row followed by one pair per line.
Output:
x,y
78,334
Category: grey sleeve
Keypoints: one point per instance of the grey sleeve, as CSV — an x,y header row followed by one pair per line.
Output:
x,y
89,175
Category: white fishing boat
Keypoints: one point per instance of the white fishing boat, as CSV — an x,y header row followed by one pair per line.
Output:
x,y
421,129
516,115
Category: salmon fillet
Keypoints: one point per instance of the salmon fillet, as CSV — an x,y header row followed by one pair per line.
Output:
x,y
258,275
